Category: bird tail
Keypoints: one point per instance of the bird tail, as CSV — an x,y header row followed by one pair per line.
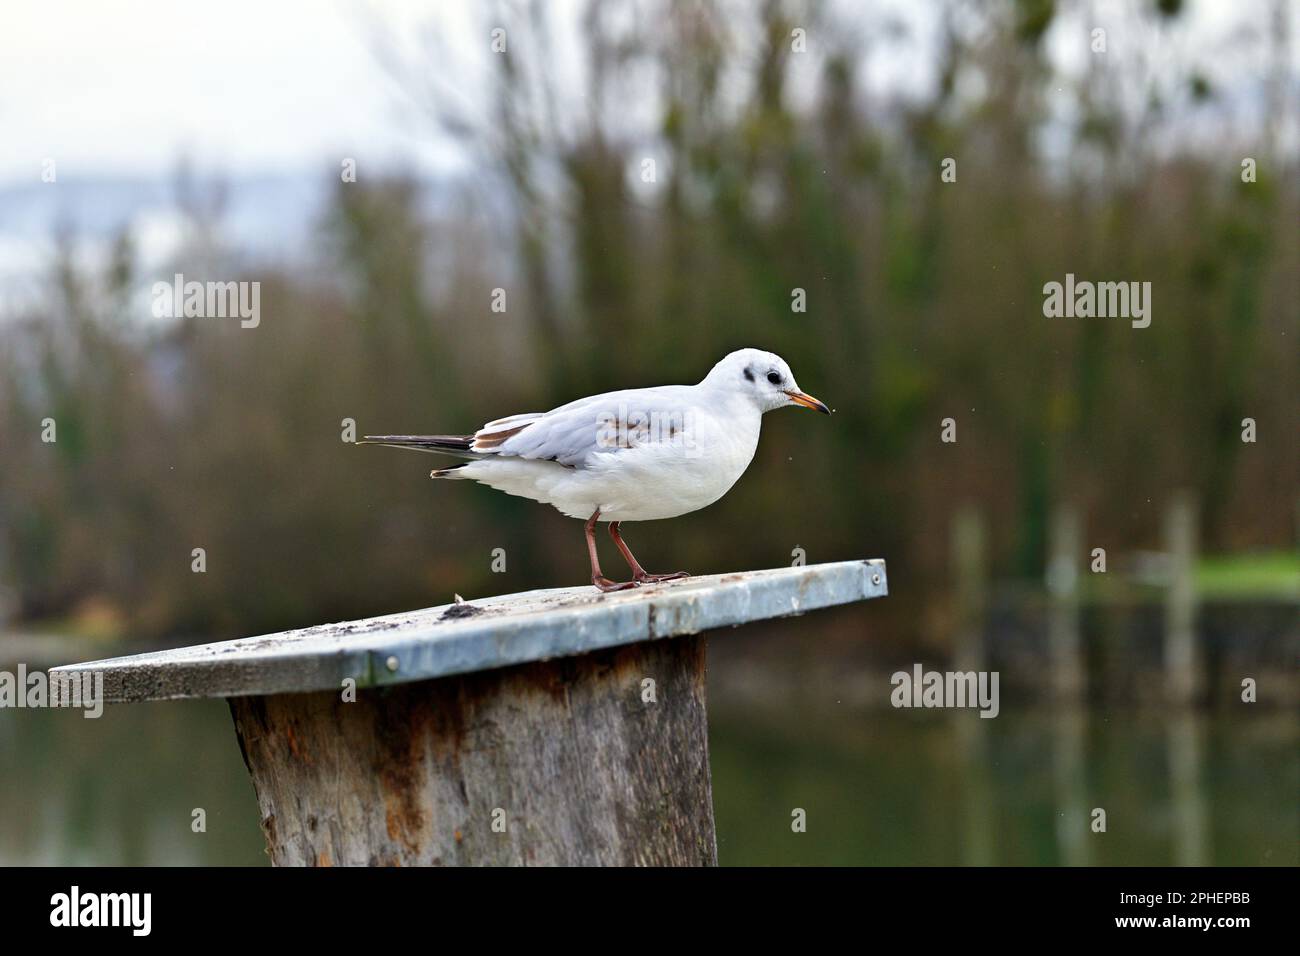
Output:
x,y
447,472
457,445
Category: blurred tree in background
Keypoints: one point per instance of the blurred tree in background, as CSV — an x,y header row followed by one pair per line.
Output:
x,y
773,172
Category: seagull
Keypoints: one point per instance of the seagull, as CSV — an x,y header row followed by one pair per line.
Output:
x,y
639,454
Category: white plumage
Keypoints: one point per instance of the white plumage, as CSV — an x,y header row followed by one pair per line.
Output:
x,y
632,455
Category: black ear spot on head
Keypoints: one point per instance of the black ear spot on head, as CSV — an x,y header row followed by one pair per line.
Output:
x,y
749,375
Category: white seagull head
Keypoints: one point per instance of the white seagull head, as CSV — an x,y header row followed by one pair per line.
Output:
x,y
761,377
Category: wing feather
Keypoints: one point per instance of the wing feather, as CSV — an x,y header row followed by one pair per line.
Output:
x,y
574,435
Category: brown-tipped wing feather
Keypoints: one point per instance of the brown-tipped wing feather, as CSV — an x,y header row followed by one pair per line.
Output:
x,y
486,441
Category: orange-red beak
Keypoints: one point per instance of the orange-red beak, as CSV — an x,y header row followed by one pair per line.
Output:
x,y
807,401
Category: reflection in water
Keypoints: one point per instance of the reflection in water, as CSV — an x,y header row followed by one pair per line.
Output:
x,y
879,786
977,793
122,789
1186,755
1070,782
899,787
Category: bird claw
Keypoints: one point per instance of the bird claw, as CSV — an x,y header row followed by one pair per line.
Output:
x,y
656,578
605,584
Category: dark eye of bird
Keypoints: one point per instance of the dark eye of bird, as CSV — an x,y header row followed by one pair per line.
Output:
x,y
774,378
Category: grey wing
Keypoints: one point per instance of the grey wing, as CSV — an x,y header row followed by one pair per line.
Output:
x,y
572,434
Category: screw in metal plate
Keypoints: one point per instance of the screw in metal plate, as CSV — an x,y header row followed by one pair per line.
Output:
x,y
392,664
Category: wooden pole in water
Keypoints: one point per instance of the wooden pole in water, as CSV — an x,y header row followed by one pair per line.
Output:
x,y
1182,665
1070,783
970,568
1190,818
1063,618
1069,722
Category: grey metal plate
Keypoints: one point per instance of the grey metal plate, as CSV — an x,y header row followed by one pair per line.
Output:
x,y
497,632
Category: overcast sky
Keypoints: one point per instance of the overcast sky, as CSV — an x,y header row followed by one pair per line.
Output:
x,y
113,88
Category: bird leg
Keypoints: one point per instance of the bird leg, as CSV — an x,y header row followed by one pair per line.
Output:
x,y
639,574
598,579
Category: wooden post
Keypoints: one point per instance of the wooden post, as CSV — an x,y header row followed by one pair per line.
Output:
x,y
1190,817
1069,723
1070,777
554,763
551,727
8,597
978,803
1063,641
1181,660
970,568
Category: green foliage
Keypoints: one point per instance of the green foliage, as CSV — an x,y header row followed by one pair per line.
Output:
x,y
923,302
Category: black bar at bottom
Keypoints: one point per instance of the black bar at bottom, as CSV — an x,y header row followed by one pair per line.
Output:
x,y
349,907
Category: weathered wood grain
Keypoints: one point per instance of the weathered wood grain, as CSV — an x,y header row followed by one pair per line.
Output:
x,y
581,769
